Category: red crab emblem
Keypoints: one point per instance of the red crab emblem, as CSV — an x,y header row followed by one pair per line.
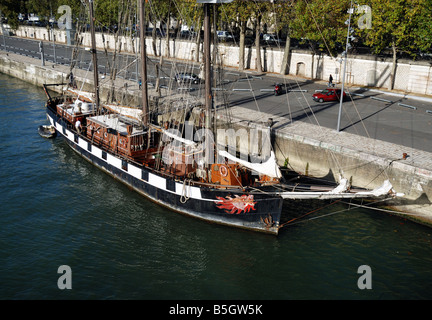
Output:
x,y
239,203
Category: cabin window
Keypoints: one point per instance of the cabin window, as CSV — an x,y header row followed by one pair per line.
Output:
x,y
89,147
144,175
124,165
104,155
170,185
76,138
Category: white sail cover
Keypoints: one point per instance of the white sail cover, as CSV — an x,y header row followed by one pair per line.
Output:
x,y
269,168
84,95
172,134
340,192
130,112
126,111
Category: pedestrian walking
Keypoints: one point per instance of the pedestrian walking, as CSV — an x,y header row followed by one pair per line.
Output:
x,y
71,80
330,84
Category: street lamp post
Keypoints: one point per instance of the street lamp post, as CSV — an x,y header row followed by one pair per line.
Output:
x,y
344,57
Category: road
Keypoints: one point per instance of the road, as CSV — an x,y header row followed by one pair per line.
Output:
x,y
403,120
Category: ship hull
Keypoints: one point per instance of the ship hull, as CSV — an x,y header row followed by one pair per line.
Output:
x,y
248,210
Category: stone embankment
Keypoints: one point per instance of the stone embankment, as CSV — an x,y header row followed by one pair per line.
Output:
x,y
306,148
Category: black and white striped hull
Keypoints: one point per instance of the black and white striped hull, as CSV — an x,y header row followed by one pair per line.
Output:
x,y
214,205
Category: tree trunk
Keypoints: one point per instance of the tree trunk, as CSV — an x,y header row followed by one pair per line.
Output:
x,y
198,40
394,67
242,45
167,43
257,44
154,40
158,68
286,61
198,46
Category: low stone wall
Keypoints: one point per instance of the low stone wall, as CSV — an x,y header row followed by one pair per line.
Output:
x,y
25,69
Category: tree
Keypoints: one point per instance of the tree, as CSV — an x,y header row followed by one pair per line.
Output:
x,y
423,29
397,24
42,8
10,10
192,14
284,14
107,12
259,13
321,23
240,12
161,11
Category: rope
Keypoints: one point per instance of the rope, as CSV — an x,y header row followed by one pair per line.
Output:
x,y
288,222
184,197
351,207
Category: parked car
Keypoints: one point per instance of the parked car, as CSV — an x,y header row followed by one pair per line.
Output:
x,y
187,77
271,38
224,36
187,34
329,94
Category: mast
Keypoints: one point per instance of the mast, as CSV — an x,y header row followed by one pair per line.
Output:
x,y
207,79
144,91
208,75
94,55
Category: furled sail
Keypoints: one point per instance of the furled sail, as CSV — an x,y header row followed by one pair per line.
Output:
x,y
340,192
269,168
82,95
129,112
173,135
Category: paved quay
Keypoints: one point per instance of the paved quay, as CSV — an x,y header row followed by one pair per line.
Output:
x,y
366,159
324,152
322,136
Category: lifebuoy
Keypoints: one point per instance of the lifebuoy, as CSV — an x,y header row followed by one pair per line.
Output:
x,y
223,171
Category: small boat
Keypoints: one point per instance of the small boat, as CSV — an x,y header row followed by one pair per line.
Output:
x,y
47,131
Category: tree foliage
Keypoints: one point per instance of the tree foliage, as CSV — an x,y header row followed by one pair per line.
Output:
x,y
402,24
321,23
10,9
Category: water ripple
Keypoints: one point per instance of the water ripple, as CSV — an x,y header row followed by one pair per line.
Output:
x,y
58,209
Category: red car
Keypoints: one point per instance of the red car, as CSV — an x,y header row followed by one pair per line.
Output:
x,y
329,94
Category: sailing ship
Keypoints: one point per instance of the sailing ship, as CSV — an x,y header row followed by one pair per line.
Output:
x,y
200,179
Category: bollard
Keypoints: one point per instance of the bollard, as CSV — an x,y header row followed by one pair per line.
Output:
x,y
42,53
